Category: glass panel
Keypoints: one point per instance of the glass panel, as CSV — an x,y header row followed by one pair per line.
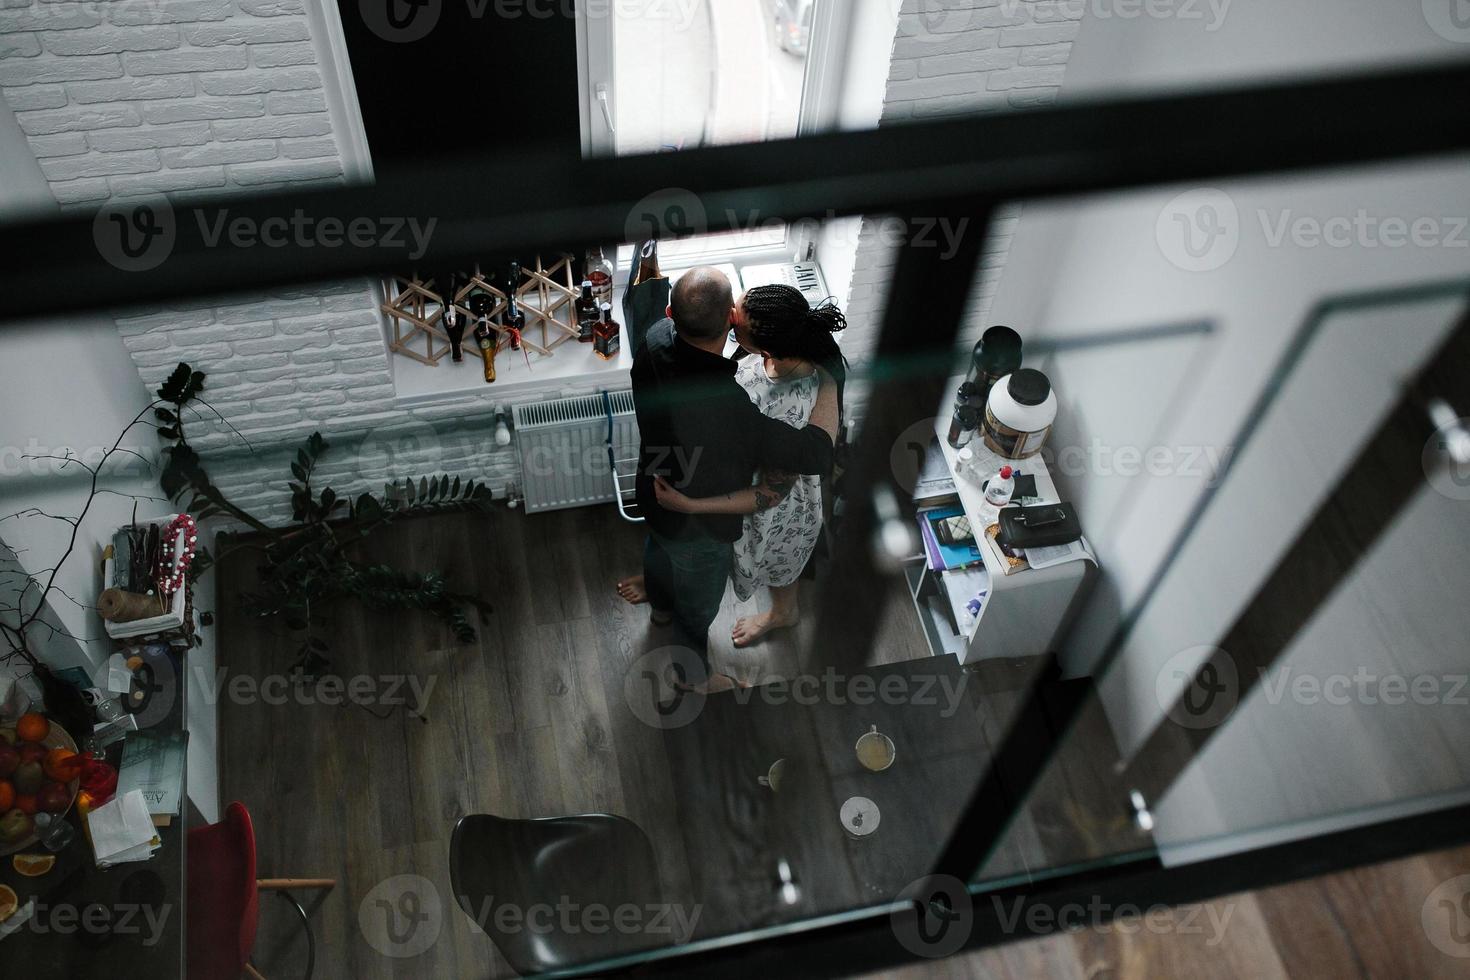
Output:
x,y
708,73
1198,463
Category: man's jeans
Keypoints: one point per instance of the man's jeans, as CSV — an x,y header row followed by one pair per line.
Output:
x,y
686,577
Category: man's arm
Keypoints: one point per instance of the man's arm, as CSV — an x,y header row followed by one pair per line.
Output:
x,y
778,446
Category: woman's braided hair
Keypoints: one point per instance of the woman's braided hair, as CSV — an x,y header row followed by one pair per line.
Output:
x,y
784,324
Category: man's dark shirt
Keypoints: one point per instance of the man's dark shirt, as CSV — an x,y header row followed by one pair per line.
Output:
x,y
701,431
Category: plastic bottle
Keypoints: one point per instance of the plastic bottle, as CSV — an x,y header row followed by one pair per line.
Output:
x,y
1000,488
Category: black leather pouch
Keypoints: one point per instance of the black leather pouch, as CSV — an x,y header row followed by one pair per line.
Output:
x,y
1039,527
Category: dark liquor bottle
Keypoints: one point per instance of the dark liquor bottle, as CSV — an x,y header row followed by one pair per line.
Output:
x,y
514,319
453,320
600,274
608,336
588,313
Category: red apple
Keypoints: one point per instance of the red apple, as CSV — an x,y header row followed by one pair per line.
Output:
x,y
9,759
31,752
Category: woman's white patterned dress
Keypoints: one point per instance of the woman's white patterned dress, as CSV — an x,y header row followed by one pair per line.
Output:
x,y
776,543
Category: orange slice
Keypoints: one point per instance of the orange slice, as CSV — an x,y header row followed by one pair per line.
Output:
x,y
33,865
8,902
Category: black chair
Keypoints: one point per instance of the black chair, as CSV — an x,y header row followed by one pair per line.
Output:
x,y
592,862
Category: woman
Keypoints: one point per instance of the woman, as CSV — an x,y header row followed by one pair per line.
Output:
x,y
783,510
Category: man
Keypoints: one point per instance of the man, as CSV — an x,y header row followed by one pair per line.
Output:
x,y
702,433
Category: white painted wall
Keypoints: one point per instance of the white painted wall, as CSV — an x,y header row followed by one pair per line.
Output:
x,y
73,386
1102,264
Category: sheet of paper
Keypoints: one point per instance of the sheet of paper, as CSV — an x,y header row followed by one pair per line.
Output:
x,y
1060,554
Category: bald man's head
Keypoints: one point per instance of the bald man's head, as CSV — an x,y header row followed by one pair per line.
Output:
x,y
701,303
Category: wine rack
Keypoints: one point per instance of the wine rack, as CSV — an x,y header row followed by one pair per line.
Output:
x,y
547,296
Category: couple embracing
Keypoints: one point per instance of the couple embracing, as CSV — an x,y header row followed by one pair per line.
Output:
x,y
729,473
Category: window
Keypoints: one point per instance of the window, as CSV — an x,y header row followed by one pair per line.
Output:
x,y
670,75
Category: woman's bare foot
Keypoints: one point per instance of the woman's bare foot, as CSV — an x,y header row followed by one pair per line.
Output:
x,y
633,590
750,630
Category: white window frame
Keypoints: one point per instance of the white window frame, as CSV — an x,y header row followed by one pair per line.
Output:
x,y
821,97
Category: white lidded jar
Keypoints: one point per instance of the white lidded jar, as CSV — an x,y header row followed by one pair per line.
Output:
x,y
1019,414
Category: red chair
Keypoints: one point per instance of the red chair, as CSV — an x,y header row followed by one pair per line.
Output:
x,y
224,899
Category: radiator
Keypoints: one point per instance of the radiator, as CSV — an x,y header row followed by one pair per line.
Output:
x,y
563,449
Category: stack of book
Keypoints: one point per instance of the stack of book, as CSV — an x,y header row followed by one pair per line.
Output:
x,y
946,557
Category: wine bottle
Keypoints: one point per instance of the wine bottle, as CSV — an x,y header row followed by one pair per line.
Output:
x,y
600,273
453,320
514,319
487,340
608,336
588,313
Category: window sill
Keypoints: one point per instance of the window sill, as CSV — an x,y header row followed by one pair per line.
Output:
x,y
570,365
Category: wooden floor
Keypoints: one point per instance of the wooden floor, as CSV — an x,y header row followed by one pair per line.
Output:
x,y
532,721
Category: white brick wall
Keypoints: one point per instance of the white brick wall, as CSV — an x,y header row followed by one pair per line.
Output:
x,y
961,57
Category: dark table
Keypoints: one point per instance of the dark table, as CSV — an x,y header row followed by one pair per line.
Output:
x,y
736,831
123,922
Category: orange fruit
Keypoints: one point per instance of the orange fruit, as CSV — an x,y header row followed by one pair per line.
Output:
x,y
33,865
32,727
26,804
62,765
8,902
7,795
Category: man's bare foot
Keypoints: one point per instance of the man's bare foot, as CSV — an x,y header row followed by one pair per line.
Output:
x,y
750,630
633,590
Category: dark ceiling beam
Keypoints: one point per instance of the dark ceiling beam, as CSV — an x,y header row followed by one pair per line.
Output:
x,y
516,203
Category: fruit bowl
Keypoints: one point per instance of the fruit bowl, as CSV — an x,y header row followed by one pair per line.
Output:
x,y
56,738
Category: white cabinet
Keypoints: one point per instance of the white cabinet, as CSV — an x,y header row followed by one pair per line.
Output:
x,y
1023,613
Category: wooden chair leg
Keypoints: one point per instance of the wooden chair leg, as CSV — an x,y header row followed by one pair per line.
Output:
x,y
252,972
294,884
